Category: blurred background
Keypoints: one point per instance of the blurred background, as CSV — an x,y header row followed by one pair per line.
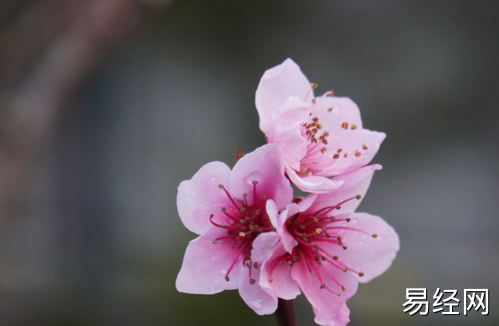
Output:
x,y
107,105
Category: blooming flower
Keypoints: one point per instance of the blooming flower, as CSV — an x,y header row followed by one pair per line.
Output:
x,y
228,210
326,249
319,137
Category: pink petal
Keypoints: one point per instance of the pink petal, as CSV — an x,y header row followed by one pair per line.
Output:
x,y
343,110
282,284
266,166
329,308
205,265
359,145
370,255
278,220
313,184
262,301
278,84
284,129
353,183
199,197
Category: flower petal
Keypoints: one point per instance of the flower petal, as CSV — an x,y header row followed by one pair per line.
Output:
x,y
262,301
205,265
277,277
266,166
284,129
278,84
352,184
200,196
329,308
371,255
312,183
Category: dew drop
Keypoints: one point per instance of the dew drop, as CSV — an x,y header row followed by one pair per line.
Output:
x,y
213,178
255,304
361,243
223,271
364,237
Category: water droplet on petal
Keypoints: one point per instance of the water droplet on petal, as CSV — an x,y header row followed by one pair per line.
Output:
x,y
213,178
364,237
255,304
223,271
361,243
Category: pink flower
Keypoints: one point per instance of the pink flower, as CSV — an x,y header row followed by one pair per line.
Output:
x,y
227,209
326,249
319,137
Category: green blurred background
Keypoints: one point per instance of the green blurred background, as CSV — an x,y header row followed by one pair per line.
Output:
x,y
94,237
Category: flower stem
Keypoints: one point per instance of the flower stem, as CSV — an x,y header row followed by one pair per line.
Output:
x,y
286,313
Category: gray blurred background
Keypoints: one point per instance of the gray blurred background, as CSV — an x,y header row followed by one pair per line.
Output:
x,y
107,105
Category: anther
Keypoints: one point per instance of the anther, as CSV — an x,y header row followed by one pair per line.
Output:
x,y
335,257
313,85
323,258
338,293
323,286
354,126
255,182
330,109
339,150
364,147
346,155
221,186
344,125
318,230
330,93
374,235
242,234
332,218
357,153
252,281
214,241
255,265
224,209
344,247
338,207
336,156
323,150
348,219
227,278
361,274
271,279
343,287
263,197
339,238
358,196
345,269
314,100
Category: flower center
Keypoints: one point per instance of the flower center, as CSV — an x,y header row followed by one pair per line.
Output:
x,y
244,222
315,233
315,161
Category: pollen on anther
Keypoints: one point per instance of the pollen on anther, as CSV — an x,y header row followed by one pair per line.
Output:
x,y
252,281
336,156
374,235
339,150
242,234
348,219
314,100
358,196
364,147
361,274
354,126
323,150
318,230
227,278
221,186
330,109
323,286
